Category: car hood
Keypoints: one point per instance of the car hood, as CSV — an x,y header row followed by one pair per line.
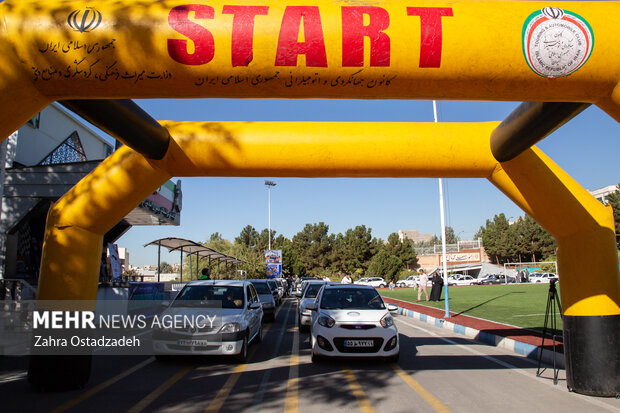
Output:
x,y
353,315
222,315
266,298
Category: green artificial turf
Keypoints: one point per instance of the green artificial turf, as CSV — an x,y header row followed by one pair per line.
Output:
x,y
521,305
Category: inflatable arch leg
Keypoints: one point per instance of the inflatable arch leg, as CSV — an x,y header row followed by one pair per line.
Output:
x,y
587,264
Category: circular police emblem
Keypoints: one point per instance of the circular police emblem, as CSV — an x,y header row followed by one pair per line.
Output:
x,y
556,42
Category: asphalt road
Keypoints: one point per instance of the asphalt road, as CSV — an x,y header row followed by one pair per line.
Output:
x,y
437,371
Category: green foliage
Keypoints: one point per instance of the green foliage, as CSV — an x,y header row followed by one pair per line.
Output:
x,y
403,250
549,267
524,240
313,245
385,265
614,201
165,268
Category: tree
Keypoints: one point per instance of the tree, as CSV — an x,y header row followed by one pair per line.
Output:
x,y
451,238
614,201
313,245
403,250
385,265
247,237
165,268
354,249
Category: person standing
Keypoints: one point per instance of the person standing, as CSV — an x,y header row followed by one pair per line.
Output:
x,y
422,281
346,279
437,287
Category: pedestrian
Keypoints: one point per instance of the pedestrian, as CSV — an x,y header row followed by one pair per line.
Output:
x,y
346,279
205,274
392,284
437,287
422,281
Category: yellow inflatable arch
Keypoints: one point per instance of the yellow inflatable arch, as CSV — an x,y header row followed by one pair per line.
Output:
x,y
475,50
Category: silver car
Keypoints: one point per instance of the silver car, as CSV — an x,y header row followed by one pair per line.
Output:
x,y
267,299
216,317
306,297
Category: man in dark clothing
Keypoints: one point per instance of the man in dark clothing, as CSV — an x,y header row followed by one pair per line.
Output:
x,y
205,274
437,287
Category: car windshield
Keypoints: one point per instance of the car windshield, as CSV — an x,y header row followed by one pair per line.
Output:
x,y
272,285
312,290
210,296
262,288
351,298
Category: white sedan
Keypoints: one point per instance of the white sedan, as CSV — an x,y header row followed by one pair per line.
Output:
x,y
377,282
350,320
460,279
544,277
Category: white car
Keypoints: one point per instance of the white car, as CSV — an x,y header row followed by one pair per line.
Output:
x,y
376,282
211,317
351,320
461,279
308,296
544,277
411,281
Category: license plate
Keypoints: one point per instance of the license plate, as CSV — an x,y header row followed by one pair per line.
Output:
x,y
192,342
359,343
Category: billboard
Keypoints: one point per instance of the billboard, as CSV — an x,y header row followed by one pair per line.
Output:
x,y
273,259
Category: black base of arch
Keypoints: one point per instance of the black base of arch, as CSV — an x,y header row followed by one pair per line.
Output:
x,y
59,373
592,352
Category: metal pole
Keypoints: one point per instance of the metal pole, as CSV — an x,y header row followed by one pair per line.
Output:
x,y
443,232
181,269
190,265
158,258
269,213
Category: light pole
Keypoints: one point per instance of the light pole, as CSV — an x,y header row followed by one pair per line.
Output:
x,y
443,232
269,184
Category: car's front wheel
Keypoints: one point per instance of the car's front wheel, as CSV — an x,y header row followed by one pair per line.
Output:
x,y
381,285
242,357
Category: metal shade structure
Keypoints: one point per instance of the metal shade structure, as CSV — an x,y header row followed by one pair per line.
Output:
x,y
191,248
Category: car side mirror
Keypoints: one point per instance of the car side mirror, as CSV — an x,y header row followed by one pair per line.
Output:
x,y
311,307
392,307
255,306
298,295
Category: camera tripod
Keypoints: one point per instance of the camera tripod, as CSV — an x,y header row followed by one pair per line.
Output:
x,y
553,306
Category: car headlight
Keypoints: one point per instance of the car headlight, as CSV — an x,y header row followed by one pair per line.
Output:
x,y
387,321
326,321
230,328
306,312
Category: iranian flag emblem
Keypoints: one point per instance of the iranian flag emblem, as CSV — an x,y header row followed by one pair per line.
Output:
x,y
556,42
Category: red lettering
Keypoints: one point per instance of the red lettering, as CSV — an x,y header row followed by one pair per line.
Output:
x,y
204,45
313,45
430,23
243,32
354,31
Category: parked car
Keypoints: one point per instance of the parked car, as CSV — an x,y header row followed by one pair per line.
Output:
x,y
495,279
236,312
308,296
267,299
274,287
460,279
411,281
351,320
281,289
544,277
377,282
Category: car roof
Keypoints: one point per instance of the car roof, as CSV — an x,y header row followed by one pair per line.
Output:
x,y
350,286
232,283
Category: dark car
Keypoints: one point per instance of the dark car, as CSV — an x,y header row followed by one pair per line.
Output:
x,y
496,279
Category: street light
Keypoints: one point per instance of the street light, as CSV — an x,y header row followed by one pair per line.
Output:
x,y
269,184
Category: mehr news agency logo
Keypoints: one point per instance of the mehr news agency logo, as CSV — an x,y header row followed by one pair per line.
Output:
x,y
76,321
556,42
84,20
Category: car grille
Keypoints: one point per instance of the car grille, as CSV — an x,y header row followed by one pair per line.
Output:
x,y
339,343
358,326
189,330
195,348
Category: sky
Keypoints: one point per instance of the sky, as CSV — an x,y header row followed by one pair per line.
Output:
x,y
587,148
